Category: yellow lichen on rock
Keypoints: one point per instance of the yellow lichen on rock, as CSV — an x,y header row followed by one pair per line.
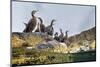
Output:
x,y
16,42
31,40
93,45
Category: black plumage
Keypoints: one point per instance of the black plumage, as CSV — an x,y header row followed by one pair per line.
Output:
x,y
66,40
66,35
61,36
56,36
49,29
31,24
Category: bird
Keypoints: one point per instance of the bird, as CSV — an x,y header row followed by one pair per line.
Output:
x,y
66,35
42,26
31,24
56,36
49,29
66,38
61,36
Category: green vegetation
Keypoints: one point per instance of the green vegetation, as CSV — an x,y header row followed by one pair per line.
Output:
x,y
21,56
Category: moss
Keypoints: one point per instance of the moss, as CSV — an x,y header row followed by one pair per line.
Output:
x,y
46,57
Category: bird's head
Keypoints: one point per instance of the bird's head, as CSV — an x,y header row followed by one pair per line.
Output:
x,y
66,31
60,30
33,12
56,33
52,22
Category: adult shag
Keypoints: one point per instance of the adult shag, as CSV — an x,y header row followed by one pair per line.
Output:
x,y
49,29
61,36
56,37
31,24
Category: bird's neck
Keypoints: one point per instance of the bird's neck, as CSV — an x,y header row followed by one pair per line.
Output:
x,y
33,16
52,23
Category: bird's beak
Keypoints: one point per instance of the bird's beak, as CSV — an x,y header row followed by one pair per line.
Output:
x,y
36,11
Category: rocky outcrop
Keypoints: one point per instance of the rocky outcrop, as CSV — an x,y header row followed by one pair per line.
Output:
x,y
84,41
31,39
89,35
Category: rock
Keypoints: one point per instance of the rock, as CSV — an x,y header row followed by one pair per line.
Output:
x,y
30,38
42,46
84,41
